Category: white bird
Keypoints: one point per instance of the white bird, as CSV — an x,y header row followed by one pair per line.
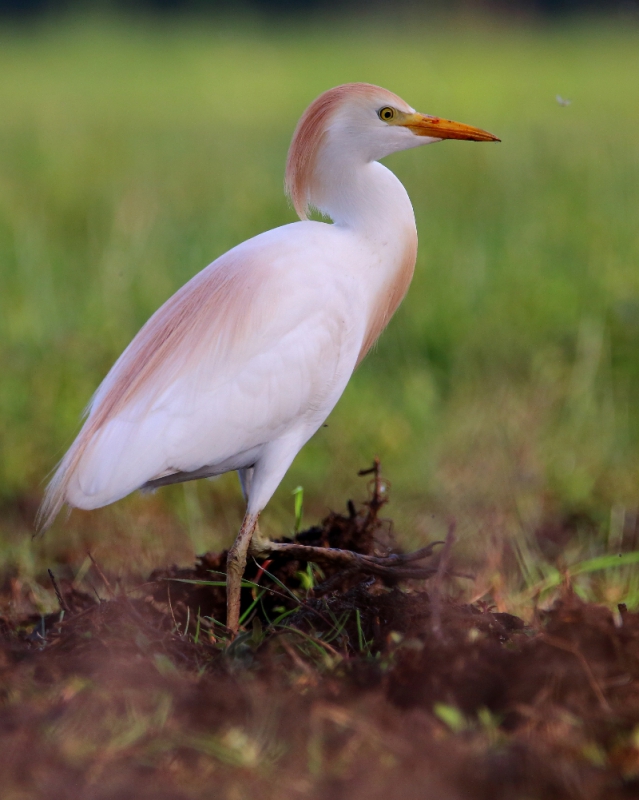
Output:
x,y
244,363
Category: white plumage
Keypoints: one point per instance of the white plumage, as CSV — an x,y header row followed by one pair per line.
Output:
x,y
242,365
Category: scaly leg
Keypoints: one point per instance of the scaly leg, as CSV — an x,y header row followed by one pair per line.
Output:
x,y
235,564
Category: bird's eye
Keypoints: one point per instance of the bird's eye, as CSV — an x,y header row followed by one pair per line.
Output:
x,y
386,114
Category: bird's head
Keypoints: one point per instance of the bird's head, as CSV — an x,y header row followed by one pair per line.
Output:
x,y
363,123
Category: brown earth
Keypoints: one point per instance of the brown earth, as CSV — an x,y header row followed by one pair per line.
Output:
x,y
346,688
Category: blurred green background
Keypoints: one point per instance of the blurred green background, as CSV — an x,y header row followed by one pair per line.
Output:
x,y
504,392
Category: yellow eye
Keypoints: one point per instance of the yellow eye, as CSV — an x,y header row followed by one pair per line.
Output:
x,y
386,114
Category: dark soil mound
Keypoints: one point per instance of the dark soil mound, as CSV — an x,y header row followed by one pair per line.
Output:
x,y
341,686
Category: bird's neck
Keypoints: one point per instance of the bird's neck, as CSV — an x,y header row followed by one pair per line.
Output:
x,y
365,197
371,203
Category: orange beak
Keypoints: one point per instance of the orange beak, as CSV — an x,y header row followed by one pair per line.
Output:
x,y
437,128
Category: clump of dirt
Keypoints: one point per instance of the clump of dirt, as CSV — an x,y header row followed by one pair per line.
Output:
x,y
342,685
198,590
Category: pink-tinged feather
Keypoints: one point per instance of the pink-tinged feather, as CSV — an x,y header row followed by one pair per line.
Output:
x,y
309,136
391,296
213,310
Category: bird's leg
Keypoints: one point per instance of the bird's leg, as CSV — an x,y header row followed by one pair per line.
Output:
x,y
235,564
259,546
246,479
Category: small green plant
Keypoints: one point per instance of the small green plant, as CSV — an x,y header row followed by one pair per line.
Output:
x,y
450,716
298,506
196,638
307,577
361,639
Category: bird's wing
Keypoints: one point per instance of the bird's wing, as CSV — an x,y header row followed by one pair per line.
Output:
x,y
252,344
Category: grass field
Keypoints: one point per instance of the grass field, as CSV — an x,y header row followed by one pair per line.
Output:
x,y
504,392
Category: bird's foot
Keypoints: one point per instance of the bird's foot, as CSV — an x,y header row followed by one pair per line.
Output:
x,y
395,566
261,546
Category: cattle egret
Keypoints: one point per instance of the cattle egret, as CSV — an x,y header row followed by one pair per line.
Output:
x,y
244,363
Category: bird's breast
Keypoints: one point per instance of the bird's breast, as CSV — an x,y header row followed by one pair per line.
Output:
x,y
394,273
